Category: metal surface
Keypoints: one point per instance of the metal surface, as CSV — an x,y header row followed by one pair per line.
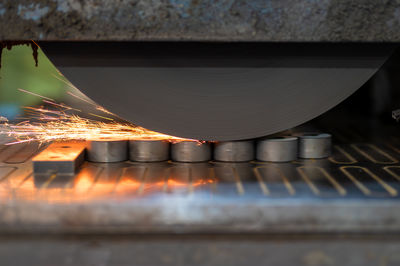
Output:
x,y
234,151
356,189
107,150
148,150
314,145
278,149
200,250
191,151
217,91
61,158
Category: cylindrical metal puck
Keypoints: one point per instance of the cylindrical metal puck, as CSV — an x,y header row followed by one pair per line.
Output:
x,y
234,151
148,150
314,145
107,150
277,149
190,151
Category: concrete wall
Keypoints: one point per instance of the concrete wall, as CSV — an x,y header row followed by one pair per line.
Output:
x,y
228,20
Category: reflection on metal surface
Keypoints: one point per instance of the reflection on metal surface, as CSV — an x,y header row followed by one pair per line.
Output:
x,y
374,154
48,181
360,186
315,173
128,183
333,181
269,173
391,170
238,182
348,158
263,186
346,170
130,180
213,180
397,150
5,171
314,189
142,181
392,191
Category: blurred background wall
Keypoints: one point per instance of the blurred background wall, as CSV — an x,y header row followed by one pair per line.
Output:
x,y
18,71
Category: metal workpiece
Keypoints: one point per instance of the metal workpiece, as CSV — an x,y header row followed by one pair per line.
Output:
x,y
234,151
60,158
107,150
191,151
277,149
148,150
314,145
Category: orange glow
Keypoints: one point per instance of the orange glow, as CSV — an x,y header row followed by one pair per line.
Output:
x,y
85,188
63,127
175,183
83,183
62,124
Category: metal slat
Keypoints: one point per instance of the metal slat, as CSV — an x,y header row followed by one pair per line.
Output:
x,y
341,156
374,154
367,181
321,182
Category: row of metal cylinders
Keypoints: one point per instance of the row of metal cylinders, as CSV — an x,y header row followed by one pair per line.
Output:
x,y
272,149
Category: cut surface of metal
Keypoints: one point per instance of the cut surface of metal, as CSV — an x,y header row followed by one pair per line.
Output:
x,y
148,150
59,157
191,151
234,151
277,149
107,150
218,91
314,145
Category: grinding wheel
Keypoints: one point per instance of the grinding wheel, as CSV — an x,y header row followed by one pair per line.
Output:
x,y
217,91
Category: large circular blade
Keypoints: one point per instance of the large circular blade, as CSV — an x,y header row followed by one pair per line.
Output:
x,y
222,93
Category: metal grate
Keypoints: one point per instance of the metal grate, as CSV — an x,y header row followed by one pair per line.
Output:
x,y
303,195
356,170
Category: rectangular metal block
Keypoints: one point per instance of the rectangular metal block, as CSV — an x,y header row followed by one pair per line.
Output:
x,y
60,158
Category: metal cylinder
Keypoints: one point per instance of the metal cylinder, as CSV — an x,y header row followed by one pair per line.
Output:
x,y
107,150
277,149
234,151
314,145
190,151
148,150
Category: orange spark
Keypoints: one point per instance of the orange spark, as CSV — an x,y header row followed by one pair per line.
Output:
x,y
46,125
